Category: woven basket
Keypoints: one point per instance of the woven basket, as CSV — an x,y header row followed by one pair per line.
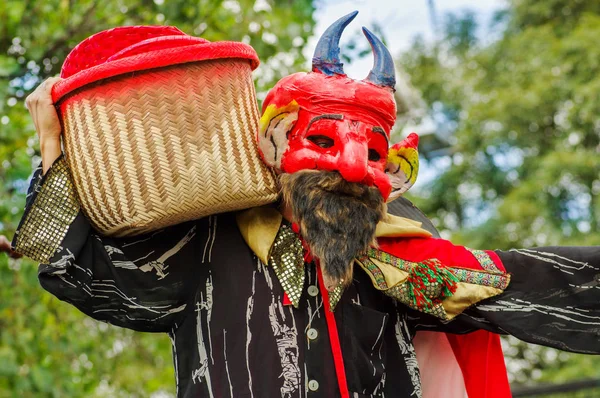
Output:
x,y
162,146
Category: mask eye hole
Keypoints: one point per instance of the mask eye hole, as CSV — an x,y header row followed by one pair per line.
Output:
x,y
321,141
374,156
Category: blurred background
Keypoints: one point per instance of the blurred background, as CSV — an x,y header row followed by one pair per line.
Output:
x,y
505,96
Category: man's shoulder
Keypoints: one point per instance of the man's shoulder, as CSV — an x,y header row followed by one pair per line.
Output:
x,y
403,207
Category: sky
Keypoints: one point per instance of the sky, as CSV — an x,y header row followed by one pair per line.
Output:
x,y
401,20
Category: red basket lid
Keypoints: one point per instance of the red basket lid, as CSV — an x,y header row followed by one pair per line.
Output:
x,y
133,48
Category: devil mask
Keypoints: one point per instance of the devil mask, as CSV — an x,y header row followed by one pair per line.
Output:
x,y
324,120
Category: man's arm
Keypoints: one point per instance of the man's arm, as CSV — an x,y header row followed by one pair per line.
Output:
x,y
142,282
553,299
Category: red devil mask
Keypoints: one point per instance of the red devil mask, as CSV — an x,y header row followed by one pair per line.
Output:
x,y
324,120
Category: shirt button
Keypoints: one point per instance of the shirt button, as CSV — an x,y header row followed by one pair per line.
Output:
x,y
312,333
313,385
313,290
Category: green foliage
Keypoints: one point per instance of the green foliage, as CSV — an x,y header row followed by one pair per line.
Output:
x,y
521,116
47,348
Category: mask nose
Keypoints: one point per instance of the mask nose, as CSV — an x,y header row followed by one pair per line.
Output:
x,y
353,160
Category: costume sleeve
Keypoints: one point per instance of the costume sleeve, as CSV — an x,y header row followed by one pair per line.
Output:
x,y
142,283
553,299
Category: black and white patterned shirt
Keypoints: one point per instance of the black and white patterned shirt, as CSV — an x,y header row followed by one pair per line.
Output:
x,y
233,336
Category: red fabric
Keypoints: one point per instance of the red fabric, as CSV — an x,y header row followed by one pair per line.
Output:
x,y
133,48
334,340
441,375
496,259
286,300
420,249
296,228
479,355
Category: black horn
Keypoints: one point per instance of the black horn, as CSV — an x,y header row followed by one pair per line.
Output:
x,y
326,58
383,72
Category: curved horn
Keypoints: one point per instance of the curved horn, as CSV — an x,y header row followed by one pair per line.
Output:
x,y
326,58
383,72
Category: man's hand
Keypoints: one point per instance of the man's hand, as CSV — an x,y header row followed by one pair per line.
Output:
x,y
47,125
5,248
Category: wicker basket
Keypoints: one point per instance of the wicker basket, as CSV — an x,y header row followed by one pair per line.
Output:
x,y
162,146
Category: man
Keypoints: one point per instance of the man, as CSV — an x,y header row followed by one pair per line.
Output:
x,y
322,294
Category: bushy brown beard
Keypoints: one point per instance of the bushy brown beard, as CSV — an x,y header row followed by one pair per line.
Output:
x,y
337,219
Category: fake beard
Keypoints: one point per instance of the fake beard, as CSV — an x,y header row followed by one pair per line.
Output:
x,y
337,219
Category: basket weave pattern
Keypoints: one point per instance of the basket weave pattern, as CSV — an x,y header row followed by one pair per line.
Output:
x,y
163,146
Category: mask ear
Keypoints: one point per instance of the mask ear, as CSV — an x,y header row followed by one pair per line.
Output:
x,y
275,124
403,165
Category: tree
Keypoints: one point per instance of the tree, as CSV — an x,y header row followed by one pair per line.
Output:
x,y
521,115
47,348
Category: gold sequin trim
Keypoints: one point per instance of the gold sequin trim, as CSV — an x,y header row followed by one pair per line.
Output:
x,y
47,221
287,259
335,296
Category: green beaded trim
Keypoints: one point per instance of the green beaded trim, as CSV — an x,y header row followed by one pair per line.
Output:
x,y
490,277
375,272
484,260
499,281
287,259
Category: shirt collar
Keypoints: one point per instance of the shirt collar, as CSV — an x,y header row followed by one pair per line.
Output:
x,y
275,244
